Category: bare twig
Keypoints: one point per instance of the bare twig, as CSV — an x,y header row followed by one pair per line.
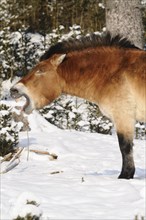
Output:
x,y
54,156
28,145
56,172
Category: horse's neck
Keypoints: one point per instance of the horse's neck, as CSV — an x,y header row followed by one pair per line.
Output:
x,y
76,84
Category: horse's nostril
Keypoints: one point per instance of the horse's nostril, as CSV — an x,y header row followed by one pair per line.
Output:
x,y
13,90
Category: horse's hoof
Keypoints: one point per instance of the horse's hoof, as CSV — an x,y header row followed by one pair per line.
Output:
x,y
125,176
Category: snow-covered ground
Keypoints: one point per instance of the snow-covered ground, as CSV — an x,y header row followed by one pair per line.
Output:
x,y
81,184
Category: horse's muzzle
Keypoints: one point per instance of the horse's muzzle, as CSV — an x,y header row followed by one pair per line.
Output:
x,y
15,94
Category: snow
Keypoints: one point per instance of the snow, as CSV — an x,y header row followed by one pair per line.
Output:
x,y
15,37
5,87
81,184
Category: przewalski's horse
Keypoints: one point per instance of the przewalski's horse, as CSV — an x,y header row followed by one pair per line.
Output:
x,y
106,70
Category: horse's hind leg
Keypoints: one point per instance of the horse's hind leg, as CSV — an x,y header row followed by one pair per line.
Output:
x,y
125,131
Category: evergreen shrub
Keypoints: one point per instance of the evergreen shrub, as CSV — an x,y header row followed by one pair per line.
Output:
x,y
69,112
8,131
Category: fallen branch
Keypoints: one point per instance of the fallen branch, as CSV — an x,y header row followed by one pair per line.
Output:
x,y
54,156
13,162
17,155
6,157
10,166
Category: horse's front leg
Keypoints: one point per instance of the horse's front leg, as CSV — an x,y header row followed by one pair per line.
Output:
x,y
126,147
124,122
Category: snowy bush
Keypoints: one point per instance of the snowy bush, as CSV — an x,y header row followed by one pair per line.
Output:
x,y
70,112
26,207
21,50
8,131
140,130
28,217
137,218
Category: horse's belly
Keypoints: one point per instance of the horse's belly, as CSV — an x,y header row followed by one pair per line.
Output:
x,y
141,111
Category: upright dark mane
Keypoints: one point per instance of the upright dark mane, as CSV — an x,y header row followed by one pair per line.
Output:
x,y
90,41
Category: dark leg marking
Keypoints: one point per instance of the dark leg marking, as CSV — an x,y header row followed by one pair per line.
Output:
x,y
126,147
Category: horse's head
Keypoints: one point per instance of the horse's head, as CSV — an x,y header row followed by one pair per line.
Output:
x,y
41,86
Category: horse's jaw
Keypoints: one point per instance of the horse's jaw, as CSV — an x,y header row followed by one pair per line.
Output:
x,y
19,90
28,106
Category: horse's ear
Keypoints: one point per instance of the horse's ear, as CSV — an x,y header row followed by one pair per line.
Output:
x,y
58,59
61,58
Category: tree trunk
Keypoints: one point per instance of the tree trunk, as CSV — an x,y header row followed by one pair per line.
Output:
x,y
124,17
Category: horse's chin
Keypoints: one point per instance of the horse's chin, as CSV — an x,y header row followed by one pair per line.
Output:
x,y
28,110
27,107
30,105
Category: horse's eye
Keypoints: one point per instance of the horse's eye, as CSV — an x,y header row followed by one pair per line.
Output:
x,y
38,72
